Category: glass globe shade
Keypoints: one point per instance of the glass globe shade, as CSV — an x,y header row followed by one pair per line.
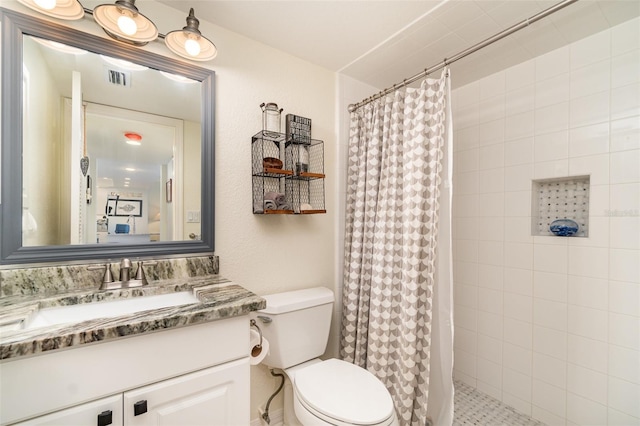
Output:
x,y
192,47
46,4
127,25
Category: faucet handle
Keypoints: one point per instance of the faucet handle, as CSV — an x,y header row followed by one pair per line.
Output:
x,y
108,276
140,272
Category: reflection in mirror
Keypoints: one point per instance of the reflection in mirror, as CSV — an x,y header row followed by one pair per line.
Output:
x,y
114,153
116,144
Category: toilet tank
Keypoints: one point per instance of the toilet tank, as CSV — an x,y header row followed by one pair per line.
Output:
x,y
299,325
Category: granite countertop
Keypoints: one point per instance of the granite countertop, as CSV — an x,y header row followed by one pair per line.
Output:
x,y
219,298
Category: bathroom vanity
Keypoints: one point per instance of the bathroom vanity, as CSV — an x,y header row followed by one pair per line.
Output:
x,y
185,364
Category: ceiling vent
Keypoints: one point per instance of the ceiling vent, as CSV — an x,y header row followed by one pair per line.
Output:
x,y
118,77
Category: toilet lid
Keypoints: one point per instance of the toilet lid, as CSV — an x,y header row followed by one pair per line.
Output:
x,y
344,392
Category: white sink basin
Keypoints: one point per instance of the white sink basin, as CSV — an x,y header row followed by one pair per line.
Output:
x,y
116,308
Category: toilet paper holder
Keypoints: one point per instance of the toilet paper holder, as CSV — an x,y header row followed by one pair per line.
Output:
x,y
253,323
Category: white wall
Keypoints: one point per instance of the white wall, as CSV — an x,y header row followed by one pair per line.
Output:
x,y
265,254
550,325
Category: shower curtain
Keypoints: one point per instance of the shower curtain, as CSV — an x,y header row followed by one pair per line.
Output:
x,y
397,253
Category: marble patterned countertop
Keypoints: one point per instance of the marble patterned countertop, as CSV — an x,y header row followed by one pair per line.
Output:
x,y
218,298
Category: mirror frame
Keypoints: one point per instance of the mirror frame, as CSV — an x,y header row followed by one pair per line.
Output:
x,y
14,26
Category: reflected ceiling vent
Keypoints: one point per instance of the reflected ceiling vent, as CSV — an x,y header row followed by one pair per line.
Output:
x,y
118,77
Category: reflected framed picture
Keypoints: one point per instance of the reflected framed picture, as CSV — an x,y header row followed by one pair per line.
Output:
x,y
169,190
129,208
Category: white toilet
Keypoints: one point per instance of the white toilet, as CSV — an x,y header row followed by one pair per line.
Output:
x,y
331,392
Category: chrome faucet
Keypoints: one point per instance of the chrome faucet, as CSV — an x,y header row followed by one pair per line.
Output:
x,y
125,280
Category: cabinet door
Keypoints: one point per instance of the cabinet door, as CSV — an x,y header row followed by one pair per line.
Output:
x,y
102,412
217,396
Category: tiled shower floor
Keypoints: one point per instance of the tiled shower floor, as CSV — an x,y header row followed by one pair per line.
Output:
x,y
475,408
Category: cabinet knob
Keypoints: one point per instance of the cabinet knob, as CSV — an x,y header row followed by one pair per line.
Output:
x,y
105,418
140,407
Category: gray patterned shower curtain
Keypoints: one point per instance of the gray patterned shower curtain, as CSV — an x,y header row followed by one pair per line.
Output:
x,y
395,186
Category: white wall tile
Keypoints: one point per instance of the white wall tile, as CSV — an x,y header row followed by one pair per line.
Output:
x,y
490,324
624,330
549,398
464,378
552,63
519,281
624,364
518,178
516,383
597,166
590,79
467,117
625,232
588,353
466,295
466,138
618,418
465,340
518,307
490,348
625,166
549,258
520,100
491,180
467,160
466,228
587,383
517,358
591,109
466,251
546,417
552,91
589,261
588,322
466,183
625,37
492,156
599,201
625,101
625,134
553,118
492,85
519,76
547,313
518,229
624,265
491,204
487,389
466,273
468,95
551,146
465,205
624,396
589,140
491,133
550,286
582,411
518,151
490,252
519,125
491,229
490,373
550,370
625,69
518,204
550,342
466,363
551,169
588,292
624,298
490,300
491,109
466,318
518,255
598,227
490,276
519,404
518,333
591,49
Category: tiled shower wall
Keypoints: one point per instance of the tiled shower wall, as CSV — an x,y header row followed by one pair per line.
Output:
x,y
551,325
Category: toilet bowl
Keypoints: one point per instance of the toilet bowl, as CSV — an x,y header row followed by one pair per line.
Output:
x,y
316,392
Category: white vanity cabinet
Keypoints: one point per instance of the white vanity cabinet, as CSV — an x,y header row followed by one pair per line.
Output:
x,y
193,375
104,412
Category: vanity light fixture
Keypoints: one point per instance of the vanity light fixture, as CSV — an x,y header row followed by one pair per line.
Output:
x,y
123,21
60,9
190,43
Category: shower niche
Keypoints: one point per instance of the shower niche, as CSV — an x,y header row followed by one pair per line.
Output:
x,y
554,200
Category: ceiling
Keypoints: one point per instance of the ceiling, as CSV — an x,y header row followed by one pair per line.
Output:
x,y
383,42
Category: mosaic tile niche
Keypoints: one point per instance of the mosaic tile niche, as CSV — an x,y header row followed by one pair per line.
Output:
x,y
560,198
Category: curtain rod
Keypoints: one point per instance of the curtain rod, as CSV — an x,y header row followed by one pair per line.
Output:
x,y
502,34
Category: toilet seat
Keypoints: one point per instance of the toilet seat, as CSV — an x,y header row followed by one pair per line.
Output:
x,y
339,392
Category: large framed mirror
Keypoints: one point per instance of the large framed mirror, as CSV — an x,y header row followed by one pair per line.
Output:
x,y
107,150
